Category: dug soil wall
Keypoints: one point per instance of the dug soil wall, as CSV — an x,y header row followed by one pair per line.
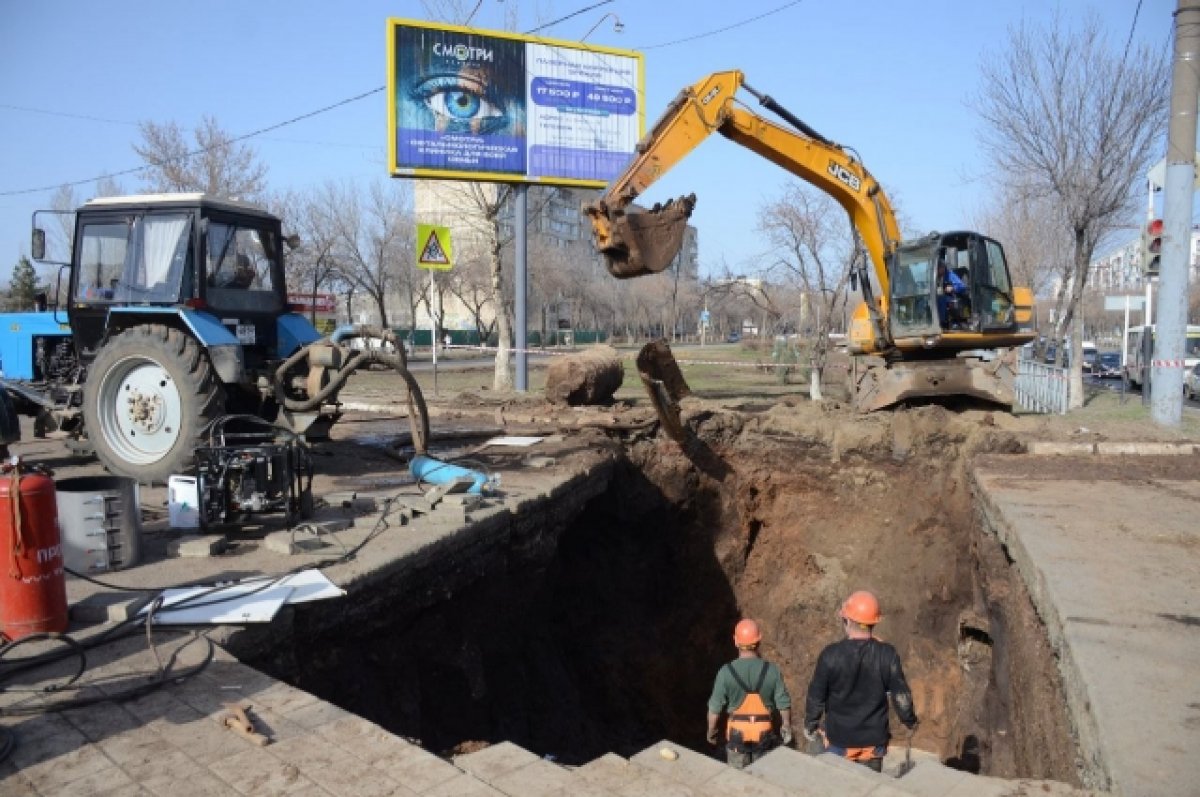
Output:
x,y
601,630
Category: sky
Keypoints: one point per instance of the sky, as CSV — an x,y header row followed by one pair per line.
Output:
x,y
891,78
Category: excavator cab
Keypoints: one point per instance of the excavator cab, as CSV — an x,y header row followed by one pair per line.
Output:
x,y
946,284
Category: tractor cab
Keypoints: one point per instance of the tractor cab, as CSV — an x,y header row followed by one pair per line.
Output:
x,y
138,253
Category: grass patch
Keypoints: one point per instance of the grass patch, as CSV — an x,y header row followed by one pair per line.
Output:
x,y
1106,414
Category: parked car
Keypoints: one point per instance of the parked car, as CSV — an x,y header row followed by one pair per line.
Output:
x,y
1052,351
1090,358
1191,382
1108,365
734,337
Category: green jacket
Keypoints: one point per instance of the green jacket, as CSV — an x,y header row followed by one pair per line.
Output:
x,y
727,695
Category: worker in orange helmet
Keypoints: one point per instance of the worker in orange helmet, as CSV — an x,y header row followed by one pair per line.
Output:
x,y
850,687
752,691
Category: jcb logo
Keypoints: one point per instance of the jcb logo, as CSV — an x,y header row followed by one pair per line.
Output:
x,y
845,175
707,98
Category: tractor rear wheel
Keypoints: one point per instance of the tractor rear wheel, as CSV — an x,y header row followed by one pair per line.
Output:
x,y
149,394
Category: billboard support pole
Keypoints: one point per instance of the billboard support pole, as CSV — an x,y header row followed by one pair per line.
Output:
x,y
520,284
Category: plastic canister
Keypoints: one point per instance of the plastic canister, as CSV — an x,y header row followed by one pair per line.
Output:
x,y
101,522
183,502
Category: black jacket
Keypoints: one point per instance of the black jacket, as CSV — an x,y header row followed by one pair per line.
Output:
x,y
850,687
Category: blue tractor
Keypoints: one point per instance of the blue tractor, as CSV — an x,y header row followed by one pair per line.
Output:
x,y
177,314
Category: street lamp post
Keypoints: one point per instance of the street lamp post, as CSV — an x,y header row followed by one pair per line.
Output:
x,y
618,26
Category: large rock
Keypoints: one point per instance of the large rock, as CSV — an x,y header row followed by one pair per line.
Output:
x,y
589,377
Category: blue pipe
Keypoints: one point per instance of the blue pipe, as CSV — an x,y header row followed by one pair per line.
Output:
x,y
434,471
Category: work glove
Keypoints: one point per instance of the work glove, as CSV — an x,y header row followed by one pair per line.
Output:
x,y
814,745
785,733
712,736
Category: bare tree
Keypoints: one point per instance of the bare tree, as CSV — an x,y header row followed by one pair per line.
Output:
x,y
214,164
1031,231
373,237
483,211
313,267
470,283
1068,118
815,247
1039,254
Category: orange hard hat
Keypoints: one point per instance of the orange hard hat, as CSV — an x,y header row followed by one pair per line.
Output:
x,y
746,634
861,607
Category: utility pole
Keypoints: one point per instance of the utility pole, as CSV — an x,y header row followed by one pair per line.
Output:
x,y
1166,382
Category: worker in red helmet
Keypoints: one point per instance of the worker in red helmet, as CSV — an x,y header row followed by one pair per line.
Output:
x,y
751,690
850,687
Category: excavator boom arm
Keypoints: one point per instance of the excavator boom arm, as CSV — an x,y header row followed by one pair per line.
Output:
x,y
636,243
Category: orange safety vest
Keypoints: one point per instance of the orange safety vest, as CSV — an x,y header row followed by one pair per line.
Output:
x,y
750,723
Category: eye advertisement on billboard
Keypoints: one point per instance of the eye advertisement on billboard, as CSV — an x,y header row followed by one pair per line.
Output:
x,y
488,105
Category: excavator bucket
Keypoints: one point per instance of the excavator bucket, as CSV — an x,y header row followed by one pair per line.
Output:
x,y
646,242
665,385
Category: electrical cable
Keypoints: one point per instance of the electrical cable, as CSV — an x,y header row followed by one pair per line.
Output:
x,y
1132,27
53,637
8,742
724,29
573,14
202,150
167,675
355,98
114,587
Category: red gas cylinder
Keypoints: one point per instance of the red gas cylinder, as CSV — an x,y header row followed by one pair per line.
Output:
x,y
33,590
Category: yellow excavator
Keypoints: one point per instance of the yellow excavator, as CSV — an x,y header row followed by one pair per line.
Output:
x,y
939,315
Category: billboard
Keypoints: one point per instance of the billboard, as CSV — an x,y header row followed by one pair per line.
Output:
x,y
471,104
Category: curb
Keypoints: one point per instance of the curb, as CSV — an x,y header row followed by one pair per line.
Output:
x,y
1147,449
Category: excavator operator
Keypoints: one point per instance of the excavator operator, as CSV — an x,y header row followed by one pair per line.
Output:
x,y
953,311
751,690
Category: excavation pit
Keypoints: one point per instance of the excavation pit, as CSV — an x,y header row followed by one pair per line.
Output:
x,y
596,623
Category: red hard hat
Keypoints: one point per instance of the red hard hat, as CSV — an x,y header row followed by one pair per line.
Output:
x,y
861,607
746,634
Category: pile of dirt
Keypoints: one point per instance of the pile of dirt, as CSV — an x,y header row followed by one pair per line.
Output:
x,y
588,377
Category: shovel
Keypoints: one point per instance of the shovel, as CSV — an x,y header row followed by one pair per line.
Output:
x,y
907,766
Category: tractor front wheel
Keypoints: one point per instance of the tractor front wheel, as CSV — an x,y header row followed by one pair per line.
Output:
x,y
149,394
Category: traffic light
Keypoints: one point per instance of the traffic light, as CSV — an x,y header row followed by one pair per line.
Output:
x,y
1152,247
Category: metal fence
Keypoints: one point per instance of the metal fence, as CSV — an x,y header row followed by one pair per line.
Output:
x,y
1041,387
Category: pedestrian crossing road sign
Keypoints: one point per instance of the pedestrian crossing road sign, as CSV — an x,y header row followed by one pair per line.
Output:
x,y
433,248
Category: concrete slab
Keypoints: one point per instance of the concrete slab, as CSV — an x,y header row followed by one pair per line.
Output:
x,y
735,783
538,779
610,772
1053,448
1112,564
690,768
491,763
652,784
931,779
804,776
577,788
464,785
